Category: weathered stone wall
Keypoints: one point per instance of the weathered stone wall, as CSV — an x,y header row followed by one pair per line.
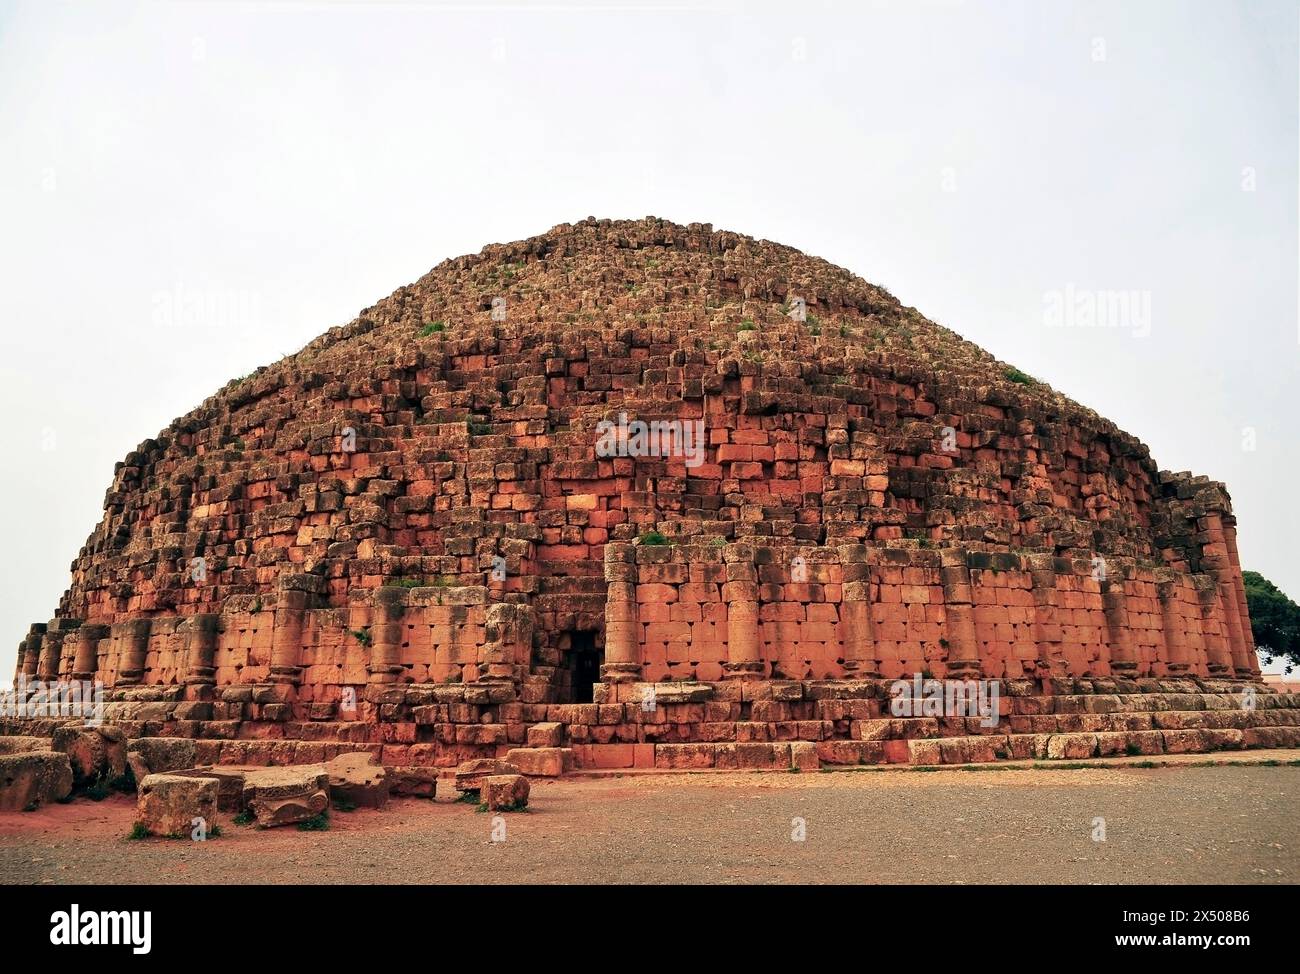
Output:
x,y
703,612
806,613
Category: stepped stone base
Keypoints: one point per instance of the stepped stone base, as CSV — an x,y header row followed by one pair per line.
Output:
x,y
731,725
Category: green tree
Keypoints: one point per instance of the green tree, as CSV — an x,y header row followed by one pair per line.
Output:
x,y
1274,619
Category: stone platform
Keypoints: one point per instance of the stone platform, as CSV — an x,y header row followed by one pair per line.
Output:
x,y
730,725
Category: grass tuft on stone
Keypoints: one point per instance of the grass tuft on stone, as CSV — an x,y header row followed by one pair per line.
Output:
x,y
1020,378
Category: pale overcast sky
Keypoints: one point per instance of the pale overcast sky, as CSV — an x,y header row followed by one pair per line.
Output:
x,y
288,164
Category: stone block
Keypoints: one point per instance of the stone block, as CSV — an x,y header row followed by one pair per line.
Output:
x,y
1271,737
32,778
752,757
95,753
541,762
684,756
546,734
1072,747
158,755
168,804
803,755
283,796
418,782
977,749
354,779
470,774
1189,741
924,751
230,785
22,745
850,752
504,792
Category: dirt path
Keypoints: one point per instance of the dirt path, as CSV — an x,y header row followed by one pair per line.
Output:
x,y
1163,825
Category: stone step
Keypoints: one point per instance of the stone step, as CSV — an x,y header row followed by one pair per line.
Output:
x,y
906,728
541,762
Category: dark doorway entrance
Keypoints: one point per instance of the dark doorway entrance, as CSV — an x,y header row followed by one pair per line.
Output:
x,y
584,665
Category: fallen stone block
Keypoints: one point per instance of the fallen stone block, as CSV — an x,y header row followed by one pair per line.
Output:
x,y
419,782
505,792
354,780
168,804
96,754
33,778
230,785
158,755
470,774
285,795
541,762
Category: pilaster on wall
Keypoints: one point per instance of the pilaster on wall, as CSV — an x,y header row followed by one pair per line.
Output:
x,y
200,633
386,635
1200,529
1218,656
963,661
622,628
1178,653
1243,608
52,649
857,628
1047,624
85,660
296,594
134,639
740,592
1119,637
29,651
1215,558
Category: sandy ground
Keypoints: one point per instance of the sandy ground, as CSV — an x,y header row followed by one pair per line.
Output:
x,y
1185,824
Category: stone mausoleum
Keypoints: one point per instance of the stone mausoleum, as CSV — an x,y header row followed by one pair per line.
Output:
x,y
438,533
